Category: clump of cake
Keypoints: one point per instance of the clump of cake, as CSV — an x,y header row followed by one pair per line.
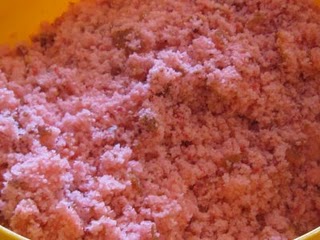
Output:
x,y
164,119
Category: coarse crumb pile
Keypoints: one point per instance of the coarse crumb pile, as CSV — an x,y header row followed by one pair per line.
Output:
x,y
163,119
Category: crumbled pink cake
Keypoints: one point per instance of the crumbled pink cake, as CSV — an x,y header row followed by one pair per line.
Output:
x,y
130,119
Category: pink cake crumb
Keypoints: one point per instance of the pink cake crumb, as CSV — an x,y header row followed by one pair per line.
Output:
x,y
132,119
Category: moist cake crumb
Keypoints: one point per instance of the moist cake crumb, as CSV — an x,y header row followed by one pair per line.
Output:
x,y
164,120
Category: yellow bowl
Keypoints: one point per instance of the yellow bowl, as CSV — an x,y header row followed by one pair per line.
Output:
x,y
313,235
19,20
6,234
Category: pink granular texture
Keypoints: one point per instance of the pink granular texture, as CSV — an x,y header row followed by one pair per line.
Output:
x,y
164,120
